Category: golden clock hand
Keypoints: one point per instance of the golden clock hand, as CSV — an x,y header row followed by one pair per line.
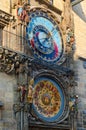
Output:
x,y
49,35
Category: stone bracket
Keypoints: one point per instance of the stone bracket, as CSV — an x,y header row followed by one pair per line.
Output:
x,y
5,18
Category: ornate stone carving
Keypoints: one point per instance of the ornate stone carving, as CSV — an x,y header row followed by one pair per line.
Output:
x,y
5,18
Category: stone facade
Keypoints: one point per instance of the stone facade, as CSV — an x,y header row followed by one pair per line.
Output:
x,y
7,87
80,28
80,59
12,39
59,4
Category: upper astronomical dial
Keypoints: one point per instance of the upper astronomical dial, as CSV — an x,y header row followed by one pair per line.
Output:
x,y
44,37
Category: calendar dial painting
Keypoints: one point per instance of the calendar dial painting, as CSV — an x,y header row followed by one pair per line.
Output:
x,y
48,99
44,36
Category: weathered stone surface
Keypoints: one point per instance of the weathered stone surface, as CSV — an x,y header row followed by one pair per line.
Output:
x,y
7,83
5,5
80,37
80,91
59,4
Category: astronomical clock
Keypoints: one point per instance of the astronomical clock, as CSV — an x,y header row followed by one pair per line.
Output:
x,y
45,38
45,62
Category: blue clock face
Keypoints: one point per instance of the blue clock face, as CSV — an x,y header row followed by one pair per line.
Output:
x,y
44,37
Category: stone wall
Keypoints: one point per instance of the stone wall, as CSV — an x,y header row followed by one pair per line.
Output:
x,y
5,5
59,4
80,90
80,71
8,82
80,36
80,28
7,86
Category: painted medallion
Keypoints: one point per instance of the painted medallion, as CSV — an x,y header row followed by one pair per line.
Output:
x,y
48,99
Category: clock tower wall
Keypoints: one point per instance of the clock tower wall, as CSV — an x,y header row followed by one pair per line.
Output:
x,y
14,38
59,4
